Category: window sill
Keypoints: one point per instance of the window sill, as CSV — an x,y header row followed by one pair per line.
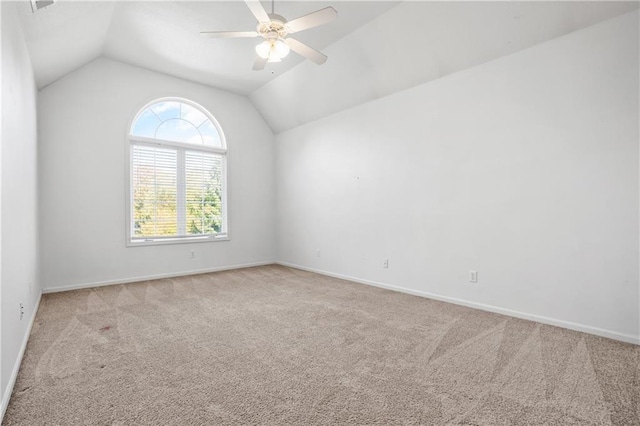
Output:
x,y
161,242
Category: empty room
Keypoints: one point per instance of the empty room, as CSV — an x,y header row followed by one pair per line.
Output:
x,y
320,212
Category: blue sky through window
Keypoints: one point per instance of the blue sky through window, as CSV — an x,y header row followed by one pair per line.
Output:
x,y
178,122
166,110
146,124
178,130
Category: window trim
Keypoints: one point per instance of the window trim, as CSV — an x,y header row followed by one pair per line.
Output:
x,y
131,140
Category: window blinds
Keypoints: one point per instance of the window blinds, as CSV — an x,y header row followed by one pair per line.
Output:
x,y
203,189
176,192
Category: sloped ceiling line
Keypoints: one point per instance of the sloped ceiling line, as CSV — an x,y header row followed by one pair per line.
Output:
x,y
375,48
163,36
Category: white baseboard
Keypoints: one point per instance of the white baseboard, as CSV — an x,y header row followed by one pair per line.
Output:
x,y
6,396
628,338
152,277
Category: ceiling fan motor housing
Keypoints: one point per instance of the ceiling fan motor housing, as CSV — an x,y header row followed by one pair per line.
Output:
x,y
276,28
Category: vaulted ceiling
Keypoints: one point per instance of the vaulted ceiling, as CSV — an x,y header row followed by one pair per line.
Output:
x,y
164,36
375,48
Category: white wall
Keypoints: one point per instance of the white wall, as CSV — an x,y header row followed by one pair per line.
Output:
x,y
18,278
524,169
83,120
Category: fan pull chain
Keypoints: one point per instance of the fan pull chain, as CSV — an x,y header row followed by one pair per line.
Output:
x,y
272,6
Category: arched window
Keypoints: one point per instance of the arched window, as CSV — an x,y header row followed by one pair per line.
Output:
x,y
177,175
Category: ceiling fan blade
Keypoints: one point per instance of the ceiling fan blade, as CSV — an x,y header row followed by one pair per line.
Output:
x,y
314,19
306,51
258,11
259,64
228,34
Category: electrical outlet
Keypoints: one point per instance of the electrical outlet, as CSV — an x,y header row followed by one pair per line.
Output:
x,y
21,311
317,252
473,276
193,254
385,264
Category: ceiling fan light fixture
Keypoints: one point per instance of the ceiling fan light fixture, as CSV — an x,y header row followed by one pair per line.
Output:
x,y
272,50
281,48
264,49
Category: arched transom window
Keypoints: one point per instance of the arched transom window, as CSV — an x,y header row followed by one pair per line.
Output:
x,y
177,174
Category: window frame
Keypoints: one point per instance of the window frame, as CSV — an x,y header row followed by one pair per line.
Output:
x,y
131,140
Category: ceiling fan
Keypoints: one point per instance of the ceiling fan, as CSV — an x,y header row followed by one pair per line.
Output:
x,y
275,30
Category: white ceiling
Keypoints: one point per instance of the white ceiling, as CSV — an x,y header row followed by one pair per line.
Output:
x,y
164,36
64,37
429,40
375,48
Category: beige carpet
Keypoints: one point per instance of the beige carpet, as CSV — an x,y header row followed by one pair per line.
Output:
x,y
273,345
